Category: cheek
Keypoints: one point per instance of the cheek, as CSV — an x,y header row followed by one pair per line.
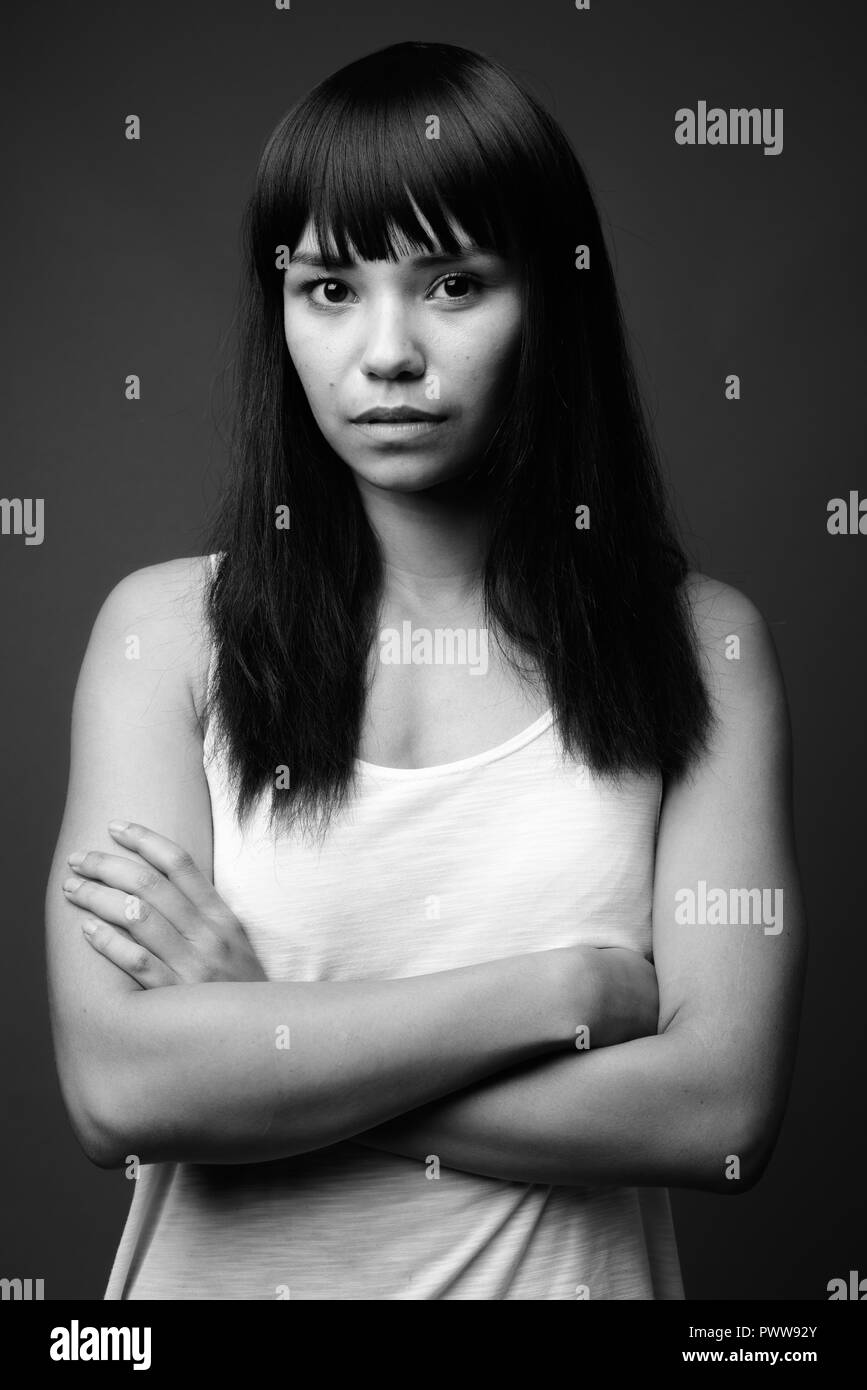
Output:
x,y
489,359
311,359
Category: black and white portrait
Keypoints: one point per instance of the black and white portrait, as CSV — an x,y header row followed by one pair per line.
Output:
x,y
433,604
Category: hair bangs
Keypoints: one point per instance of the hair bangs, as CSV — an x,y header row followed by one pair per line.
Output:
x,y
380,174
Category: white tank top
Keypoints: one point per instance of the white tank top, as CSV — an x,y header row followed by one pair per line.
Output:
x,y
515,849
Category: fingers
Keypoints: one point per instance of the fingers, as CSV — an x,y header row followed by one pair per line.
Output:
x,y
120,905
130,956
162,901
126,891
176,865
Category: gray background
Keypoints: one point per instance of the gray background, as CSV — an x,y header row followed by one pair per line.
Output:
x,y
121,257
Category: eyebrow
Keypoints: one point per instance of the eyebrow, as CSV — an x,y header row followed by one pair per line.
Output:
x,y
437,258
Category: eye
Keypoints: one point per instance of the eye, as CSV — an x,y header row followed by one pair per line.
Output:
x,y
335,292
456,275
330,287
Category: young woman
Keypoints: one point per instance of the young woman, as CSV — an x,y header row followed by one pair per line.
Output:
x,y
389,987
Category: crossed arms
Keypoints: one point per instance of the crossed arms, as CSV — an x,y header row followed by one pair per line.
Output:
x,y
475,1065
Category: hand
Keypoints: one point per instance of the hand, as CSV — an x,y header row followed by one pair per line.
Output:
x,y
629,994
163,923
610,990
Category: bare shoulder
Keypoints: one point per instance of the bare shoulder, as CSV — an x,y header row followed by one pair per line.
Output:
x,y
714,602
739,654
158,614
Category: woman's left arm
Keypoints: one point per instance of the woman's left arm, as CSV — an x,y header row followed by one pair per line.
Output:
x,y
701,1103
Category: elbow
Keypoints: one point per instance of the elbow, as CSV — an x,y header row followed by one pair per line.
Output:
x,y
103,1150
97,1137
736,1151
95,1119
725,1119
111,1099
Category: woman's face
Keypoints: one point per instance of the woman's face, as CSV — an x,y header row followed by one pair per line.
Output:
x,y
437,335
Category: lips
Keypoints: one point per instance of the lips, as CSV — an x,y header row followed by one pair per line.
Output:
x,y
395,415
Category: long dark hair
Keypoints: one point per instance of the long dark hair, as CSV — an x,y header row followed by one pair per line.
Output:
x,y
601,610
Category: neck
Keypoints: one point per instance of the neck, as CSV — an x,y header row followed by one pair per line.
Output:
x,y
433,542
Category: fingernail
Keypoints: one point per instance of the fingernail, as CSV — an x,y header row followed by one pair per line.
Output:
x,y
118,825
74,858
70,884
88,927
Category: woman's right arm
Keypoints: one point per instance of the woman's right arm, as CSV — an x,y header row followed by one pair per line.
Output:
x,y
202,1073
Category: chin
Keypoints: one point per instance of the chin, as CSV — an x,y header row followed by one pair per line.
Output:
x,y
405,474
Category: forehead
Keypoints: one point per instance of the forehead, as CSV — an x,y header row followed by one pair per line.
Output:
x,y
308,245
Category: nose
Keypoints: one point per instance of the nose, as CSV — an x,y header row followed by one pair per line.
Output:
x,y
392,347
